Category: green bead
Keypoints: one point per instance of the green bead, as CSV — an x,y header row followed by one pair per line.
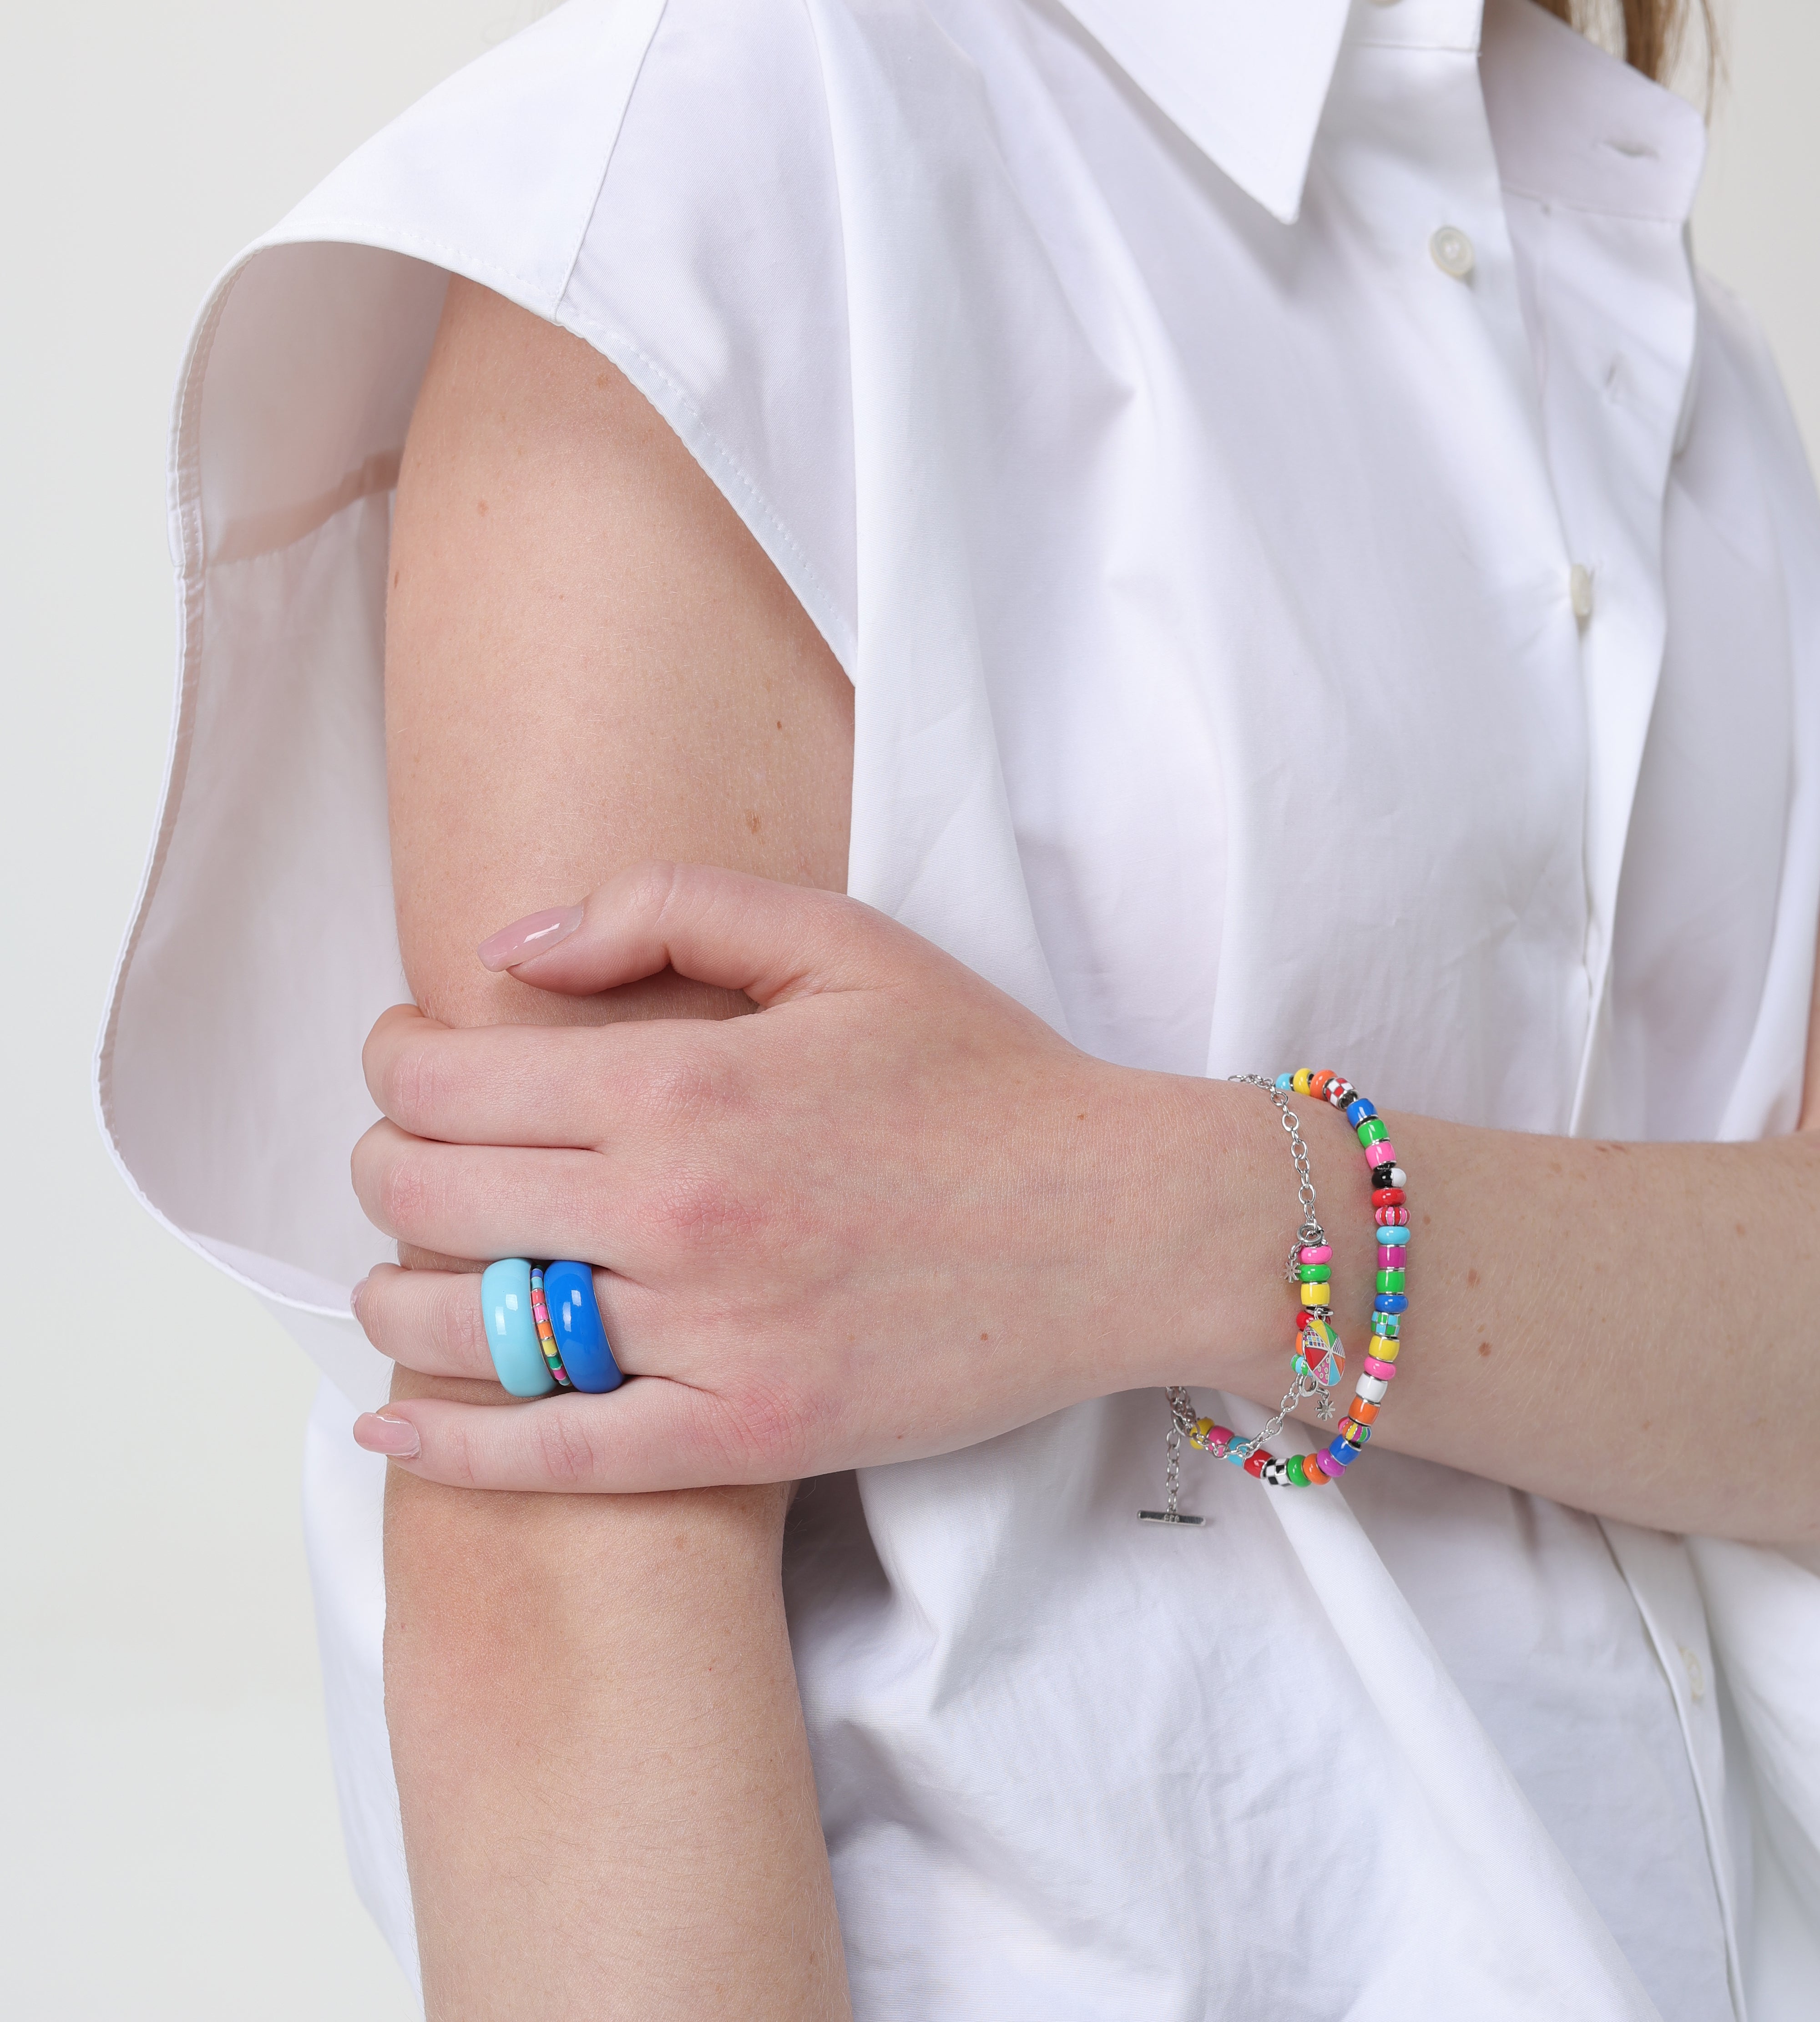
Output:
x,y
1371,1130
1391,1281
1297,1470
1313,1274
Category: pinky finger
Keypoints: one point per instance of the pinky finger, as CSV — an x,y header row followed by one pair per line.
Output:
x,y
651,1433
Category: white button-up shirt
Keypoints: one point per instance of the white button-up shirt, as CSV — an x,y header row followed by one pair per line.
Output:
x,y
1324,579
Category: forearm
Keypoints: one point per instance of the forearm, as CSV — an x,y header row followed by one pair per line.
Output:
x,y
608,1806
1626,1328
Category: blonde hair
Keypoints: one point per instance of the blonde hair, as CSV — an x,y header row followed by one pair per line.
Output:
x,y
1649,34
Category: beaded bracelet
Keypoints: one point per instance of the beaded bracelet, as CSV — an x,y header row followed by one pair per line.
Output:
x,y
1319,1360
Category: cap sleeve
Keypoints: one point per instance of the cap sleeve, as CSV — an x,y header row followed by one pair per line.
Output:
x,y
656,177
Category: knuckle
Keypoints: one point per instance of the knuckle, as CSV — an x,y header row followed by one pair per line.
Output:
x,y
682,1090
402,1194
562,1440
772,1430
458,1468
695,1209
409,1083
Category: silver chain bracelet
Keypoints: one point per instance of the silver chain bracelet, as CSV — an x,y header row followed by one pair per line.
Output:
x,y
1183,1421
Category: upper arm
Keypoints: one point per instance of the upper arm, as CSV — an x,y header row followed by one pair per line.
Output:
x,y
589,661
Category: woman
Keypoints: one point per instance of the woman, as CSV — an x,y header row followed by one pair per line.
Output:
x,y
1241,533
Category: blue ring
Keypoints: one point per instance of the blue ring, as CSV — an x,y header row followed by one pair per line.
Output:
x,y
568,1291
511,1332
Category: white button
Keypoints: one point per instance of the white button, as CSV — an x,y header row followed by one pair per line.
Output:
x,y
1453,251
1580,590
1696,1674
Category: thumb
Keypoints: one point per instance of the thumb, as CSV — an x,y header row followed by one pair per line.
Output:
x,y
775,942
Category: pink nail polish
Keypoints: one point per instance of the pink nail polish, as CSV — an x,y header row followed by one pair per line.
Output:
x,y
396,1438
527,938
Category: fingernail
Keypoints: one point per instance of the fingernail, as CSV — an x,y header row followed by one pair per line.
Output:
x,y
395,1437
354,1298
525,939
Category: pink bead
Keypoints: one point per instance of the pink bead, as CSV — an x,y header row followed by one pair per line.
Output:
x,y
1390,1258
1317,1252
1328,1465
1393,1218
1383,1371
1383,1153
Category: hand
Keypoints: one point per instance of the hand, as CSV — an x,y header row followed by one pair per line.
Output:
x,y
890,1214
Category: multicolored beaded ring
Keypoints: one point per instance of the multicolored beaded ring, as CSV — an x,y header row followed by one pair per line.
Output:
x,y
1319,1359
546,1334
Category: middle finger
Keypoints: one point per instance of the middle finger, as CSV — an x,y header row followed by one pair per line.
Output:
x,y
489,1200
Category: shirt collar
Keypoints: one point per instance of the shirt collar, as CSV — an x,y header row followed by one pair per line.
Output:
x,y
1246,80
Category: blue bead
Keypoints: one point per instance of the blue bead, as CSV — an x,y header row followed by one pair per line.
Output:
x,y
1286,1080
1345,1454
1356,1112
1385,1302
511,1332
575,1321
1391,1235
1385,1324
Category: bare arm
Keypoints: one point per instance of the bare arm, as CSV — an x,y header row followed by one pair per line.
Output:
x,y
608,1806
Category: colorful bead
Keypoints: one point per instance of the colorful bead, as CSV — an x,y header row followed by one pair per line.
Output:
x,y
1387,1197
1274,1473
1385,1326
1299,1081
1256,1462
1399,1178
1395,1232
1380,1175
1377,1153
1390,1302
1341,1094
1285,1082
1371,1131
1297,1470
1327,1467
1364,1410
1316,1253
1371,1390
1391,1218
1343,1453
1318,1274
1353,1433
1388,1259
1358,1111
1321,1081
546,1338
1313,1295
1378,1369
1389,1280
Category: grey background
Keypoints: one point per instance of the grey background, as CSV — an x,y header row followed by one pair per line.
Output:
x,y
168,1838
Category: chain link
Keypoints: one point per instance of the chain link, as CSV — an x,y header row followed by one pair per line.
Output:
x,y
1182,1417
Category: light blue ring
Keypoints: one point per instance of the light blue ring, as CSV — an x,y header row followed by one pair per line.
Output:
x,y
511,1332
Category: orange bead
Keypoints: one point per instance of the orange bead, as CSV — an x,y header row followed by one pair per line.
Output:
x,y
1363,1412
1318,1084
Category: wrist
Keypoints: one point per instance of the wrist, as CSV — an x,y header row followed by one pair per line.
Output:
x,y
1225,1206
